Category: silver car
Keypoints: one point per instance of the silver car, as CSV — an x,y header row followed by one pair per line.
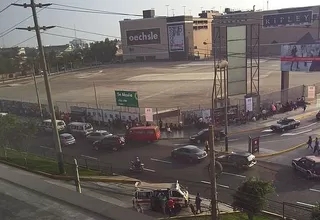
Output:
x,y
189,153
67,139
97,135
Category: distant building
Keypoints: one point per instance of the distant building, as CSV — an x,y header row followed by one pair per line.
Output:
x,y
202,34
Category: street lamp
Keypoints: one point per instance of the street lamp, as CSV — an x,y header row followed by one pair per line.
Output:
x,y
223,68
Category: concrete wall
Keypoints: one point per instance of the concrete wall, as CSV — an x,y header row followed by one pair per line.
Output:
x,y
132,52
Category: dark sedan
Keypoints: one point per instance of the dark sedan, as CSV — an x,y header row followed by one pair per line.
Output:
x,y
285,125
237,159
189,153
203,136
111,142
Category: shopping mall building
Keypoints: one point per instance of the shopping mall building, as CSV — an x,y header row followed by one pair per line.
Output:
x,y
166,38
275,27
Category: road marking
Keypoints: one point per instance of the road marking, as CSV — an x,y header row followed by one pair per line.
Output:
x,y
146,169
46,147
315,190
179,144
305,204
162,161
92,158
266,135
308,125
230,140
293,134
223,186
232,174
266,130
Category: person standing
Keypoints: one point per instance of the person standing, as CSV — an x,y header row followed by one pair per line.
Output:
x,y
198,203
309,143
316,146
171,206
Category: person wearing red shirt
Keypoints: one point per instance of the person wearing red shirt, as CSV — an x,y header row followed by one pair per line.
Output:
x,y
171,206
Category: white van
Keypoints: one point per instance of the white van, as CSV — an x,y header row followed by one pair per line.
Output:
x,y
80,128
46,125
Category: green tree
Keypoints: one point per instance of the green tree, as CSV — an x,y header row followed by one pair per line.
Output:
x,y
14,131
250,197
316,212
104,51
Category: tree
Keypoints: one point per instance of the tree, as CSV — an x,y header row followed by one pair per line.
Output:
x,y
104,51
316,212
13,131
250,197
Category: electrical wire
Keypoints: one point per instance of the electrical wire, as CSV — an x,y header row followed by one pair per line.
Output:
x,y
24,41
8,6
9,30
89,10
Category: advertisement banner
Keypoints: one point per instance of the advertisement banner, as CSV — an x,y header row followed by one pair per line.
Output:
x,y
176,38
311,92
142,37
300,57
149,114
237,60
297,18
249,104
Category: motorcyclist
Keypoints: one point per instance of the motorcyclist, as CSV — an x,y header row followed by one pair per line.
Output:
x,y
137,163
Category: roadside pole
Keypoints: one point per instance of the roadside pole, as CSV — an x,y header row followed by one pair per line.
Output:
x,y
213,179
225,88
77,177
43,63
37,90
96,99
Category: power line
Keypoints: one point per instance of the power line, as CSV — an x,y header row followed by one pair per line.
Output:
x,y
8,6
88,32
89,10
24,41
9,30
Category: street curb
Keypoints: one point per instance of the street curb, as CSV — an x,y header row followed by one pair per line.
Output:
x,y
221,213
71,178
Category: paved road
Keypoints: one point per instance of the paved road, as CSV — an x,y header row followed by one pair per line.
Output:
x,y
19,203
160,167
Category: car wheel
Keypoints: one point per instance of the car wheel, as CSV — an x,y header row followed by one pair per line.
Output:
x,y
198,141
174,156
96,147
282,130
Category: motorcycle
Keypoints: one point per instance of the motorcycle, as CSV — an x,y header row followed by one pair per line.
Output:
x,y
134,168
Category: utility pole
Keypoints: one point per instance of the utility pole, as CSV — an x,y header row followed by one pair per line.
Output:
x,y
184,10
37,90
225,88
96,99
36,27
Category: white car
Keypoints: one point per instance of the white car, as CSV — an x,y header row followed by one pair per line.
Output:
x,y
97,135
67,139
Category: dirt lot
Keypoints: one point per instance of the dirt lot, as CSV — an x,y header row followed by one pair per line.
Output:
x,y
163,84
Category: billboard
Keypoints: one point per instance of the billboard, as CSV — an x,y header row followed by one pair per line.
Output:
x,y
176,38
237,60
300,57
297,18
145,36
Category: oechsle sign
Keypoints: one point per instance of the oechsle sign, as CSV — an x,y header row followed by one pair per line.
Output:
x,y
145,36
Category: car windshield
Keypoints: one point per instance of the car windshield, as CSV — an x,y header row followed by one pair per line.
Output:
x,y
67,137
195,150
105,133
201,132
284,121
60,123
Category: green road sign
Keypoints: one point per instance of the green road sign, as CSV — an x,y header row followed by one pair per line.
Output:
x,y
127,98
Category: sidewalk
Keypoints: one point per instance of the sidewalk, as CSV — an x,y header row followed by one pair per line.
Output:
x,y
250,126
44,187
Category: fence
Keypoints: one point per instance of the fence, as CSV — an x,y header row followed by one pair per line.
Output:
x,y
85,162
167,114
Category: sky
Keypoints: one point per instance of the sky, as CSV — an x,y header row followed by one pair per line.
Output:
x,y
109,24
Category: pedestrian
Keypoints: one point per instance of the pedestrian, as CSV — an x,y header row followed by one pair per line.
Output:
x,y
309,143
171,207
206,146
163,199
198,203
316,146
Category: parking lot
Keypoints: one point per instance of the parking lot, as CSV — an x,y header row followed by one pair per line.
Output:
x,y
163,84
